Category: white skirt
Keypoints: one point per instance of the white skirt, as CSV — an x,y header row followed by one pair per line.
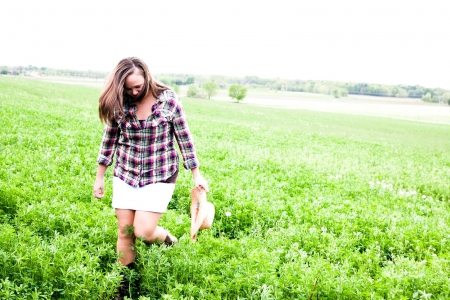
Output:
x,y
151,197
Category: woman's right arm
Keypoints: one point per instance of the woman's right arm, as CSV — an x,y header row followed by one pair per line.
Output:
x,y
99,184
105,157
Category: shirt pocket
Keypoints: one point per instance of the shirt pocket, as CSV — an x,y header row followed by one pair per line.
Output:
x,y
129,130
160,118
161,127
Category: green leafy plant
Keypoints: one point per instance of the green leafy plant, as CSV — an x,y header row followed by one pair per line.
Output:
x,y
308,205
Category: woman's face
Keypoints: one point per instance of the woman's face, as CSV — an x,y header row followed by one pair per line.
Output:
x,y
134,84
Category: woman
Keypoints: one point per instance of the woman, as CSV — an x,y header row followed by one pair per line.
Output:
x,y
142,118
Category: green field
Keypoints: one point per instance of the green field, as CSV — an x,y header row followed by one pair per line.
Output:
x,y
323,205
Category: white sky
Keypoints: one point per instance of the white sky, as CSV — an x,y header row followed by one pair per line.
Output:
x,y
380,41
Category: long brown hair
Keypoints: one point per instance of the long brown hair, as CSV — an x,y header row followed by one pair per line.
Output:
x,y
112,98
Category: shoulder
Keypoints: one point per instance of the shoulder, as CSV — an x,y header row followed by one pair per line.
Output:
x,y
170,99
169,95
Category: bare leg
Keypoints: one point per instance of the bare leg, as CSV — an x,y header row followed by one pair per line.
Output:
x,y
125,237
146,226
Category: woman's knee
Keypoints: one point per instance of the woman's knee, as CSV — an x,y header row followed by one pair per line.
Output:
x,y
146,225
125,220
126,232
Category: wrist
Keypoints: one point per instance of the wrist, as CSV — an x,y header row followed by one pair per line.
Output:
x,y
195,172
101,170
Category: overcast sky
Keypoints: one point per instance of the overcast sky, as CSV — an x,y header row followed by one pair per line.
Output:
x,y
380,41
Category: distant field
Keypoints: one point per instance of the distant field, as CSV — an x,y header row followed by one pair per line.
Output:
x,y
405,108
321,205
398,108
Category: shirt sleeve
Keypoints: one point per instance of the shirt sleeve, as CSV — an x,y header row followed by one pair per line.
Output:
x,y
109,144
184,137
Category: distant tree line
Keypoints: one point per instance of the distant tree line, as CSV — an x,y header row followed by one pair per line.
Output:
x,y
332,88
34,71
176,79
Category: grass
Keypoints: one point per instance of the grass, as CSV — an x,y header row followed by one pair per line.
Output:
x,y
358,205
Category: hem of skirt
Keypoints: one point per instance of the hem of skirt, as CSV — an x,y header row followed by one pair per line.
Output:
x,y
140,209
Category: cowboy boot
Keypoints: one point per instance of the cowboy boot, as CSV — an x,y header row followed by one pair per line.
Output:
x,y
124,288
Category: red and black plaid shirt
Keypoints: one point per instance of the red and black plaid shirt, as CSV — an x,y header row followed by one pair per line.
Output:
x,y
145,151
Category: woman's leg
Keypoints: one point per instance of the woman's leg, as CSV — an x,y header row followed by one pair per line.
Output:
x,y
125,237
146,226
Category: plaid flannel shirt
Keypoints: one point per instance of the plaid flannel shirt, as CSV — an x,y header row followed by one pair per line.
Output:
x,y
145,152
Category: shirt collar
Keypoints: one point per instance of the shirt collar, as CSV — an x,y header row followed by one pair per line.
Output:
x,y
131,107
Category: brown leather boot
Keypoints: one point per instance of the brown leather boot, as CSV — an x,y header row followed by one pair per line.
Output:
x,y
124,288
170,239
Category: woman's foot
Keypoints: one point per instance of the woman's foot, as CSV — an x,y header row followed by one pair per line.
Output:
x,y
170,239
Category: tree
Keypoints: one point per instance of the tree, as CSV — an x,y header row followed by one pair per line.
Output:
x,y
167,80
427,97
192,90
237,92
190,80
4,70
336,93
446,97
211,88
401,93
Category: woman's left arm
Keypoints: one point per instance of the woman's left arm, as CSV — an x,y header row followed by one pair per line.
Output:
x,y
186,144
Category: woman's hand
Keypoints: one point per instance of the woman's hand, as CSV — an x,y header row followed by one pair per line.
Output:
x,y
99,188
199,181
